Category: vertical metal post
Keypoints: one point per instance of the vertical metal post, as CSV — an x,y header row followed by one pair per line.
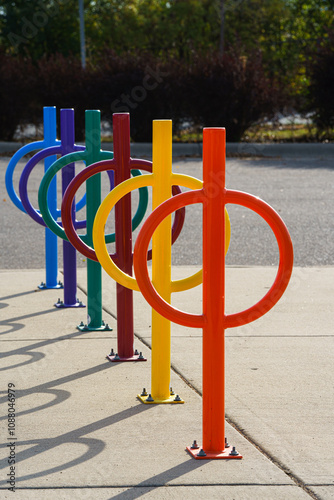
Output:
x,y
222,27
214,290
51,245
123,232
68,173
93,190
82,34
161,260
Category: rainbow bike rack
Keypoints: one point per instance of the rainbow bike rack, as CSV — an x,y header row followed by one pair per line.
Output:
x,y
123,166
51,245
213,320
89,155
162,180
67,145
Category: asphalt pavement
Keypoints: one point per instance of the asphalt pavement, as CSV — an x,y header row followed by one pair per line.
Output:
x,y
299,189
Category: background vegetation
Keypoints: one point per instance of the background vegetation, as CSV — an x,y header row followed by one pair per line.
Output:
x,y
226,63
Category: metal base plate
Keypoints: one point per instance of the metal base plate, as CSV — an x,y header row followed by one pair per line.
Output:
x,y
87,328
169,400
213,456
119,359
43,286
62,305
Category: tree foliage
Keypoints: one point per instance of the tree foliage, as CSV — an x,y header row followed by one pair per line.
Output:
x,y
288,33
284,30
39,28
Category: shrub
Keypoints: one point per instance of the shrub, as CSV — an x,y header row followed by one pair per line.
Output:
x,y
141,85
64,83
138,84
208,91
17,93
231,92
320,91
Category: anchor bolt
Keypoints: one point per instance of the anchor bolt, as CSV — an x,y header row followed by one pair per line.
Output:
x,y
234,452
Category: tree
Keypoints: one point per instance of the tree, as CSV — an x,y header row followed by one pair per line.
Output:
x,y
286,31
156,26
40,28
306,30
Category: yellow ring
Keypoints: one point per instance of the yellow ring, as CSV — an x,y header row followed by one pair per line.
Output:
x,y
101,218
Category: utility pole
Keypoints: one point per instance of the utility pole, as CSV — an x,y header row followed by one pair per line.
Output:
x,y
82,34
222,23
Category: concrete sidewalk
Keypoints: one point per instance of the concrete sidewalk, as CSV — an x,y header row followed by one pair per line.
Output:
x,y
82,433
